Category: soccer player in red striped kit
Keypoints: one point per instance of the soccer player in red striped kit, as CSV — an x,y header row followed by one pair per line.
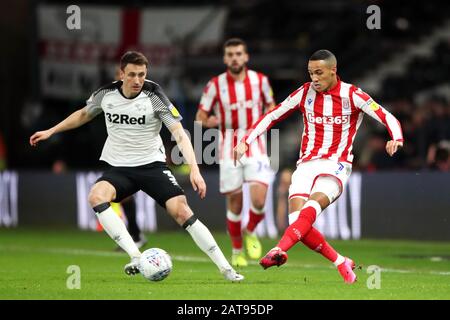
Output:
x,y
238,98
332,113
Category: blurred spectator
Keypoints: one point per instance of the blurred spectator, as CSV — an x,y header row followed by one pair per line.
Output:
x,y
439,156
438,126
374,156
59,166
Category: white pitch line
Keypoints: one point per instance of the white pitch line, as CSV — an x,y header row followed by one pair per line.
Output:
x,y
99,253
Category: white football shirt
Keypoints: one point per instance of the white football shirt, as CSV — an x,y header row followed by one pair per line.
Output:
x,y
133,124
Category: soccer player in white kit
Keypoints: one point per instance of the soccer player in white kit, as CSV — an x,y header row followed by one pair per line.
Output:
x,y
238,98
332,113
135,109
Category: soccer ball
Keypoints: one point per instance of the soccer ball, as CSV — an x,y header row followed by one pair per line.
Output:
x,y
155,264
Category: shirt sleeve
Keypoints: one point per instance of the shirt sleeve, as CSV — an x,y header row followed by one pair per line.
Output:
x,y
163,108
266,90
280,112
364,102
208,98
94,103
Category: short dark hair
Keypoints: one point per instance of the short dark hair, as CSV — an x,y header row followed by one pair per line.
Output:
x,y
233,42
133,57
322,55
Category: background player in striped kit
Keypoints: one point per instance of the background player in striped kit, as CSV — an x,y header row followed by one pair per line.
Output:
x,y
238,98
332,112
135,109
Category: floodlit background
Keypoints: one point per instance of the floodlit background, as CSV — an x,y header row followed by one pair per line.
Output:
x,y
393,218
397,51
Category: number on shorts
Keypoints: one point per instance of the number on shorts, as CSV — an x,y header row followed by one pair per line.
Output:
x,y
171,177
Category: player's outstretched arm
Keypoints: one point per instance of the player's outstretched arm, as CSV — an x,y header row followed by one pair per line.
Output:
x,y
186,149
75,120
369,106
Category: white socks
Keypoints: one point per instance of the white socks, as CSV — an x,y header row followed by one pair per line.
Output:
x,y
339,260
292,217
233,217
315,205
116,229
205,241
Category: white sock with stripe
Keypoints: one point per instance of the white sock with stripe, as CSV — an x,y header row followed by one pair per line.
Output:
x,y
116,229
205,241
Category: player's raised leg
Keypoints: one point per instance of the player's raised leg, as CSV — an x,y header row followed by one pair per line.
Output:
x,y
296,231
100,196
301,229
316,241
258,192
178,208
317,201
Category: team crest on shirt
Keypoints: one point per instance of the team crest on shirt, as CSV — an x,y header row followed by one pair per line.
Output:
x,y
346,103
140,107
309,101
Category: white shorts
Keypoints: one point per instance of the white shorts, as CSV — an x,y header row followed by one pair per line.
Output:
x,y
251,170
306,174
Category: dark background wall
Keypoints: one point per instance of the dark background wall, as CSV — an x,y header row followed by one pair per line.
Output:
x,y
393,205
406,205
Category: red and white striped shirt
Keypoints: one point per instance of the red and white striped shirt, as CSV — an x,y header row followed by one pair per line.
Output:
x,y
238,105
330,120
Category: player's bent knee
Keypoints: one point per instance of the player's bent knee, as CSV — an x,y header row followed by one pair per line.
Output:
x,y
234,202
258,204
235,208
179,209
183,214
257,207
101,192
95,198
329,186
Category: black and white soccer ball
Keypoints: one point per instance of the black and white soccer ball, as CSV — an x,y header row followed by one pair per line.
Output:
x,y
155,264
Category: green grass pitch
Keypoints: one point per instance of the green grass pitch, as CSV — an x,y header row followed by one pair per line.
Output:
x,y
34,265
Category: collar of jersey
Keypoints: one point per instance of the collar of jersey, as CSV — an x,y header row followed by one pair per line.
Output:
x,y
230,77
121,92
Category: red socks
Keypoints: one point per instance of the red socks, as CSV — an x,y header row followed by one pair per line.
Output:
x,y
300,228
254,219
234,230
315,241
234,226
